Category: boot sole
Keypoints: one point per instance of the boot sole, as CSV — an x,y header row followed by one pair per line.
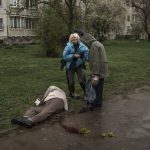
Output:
x,y
21,123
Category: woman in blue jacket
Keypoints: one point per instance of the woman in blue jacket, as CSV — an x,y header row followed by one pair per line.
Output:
x,y
75,54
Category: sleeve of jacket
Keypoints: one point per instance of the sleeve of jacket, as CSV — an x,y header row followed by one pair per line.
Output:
x,y
95,56
66,54
85,54
47,92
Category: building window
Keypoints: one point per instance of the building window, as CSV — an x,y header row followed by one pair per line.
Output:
x,y
136,9
31,3
0,2
29,23
15,22
21,22
135,18
1,23
128,28
15,2
128,18
128,3
132,18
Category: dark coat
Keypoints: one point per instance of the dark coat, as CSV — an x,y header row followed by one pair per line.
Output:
x,y
98,59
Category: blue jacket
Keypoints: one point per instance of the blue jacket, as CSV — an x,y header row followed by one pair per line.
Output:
x,y
69,51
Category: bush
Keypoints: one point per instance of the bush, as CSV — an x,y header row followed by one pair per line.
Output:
x,y
51,31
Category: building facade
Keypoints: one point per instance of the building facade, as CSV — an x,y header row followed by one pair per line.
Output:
x,y
132,18
17,19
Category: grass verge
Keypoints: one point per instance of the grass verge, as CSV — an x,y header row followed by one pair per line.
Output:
x,y
24,76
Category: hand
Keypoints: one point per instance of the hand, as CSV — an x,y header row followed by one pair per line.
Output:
x,y
37,102
95,80
76,56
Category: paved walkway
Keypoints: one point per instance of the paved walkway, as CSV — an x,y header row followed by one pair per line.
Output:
x,y
127,116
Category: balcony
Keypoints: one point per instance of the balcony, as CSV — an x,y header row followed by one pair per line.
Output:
x,y
15,5
16,9
1,28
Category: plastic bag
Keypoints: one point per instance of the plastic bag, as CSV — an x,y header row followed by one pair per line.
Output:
x,y
90,93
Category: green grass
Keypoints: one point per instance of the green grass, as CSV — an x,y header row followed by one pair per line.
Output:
x,y
24,76
129,65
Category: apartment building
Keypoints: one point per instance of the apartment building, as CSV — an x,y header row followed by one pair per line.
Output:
x,y
17,19
132,18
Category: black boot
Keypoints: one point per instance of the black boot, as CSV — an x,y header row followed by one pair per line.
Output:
x,y
23,121
83,88
71,89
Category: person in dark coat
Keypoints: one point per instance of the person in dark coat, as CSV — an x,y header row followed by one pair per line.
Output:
x,y
98,66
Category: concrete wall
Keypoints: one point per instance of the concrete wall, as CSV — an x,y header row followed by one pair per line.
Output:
x,y
3,32
22,40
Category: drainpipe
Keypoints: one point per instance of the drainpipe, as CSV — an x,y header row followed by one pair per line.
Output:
x,y
7,16
7,26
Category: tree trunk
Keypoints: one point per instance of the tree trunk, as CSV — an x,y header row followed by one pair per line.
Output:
x,y
70,4
148,37
71,19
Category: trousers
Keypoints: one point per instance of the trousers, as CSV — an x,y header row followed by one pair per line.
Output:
x,y
40,113
70,78
99,94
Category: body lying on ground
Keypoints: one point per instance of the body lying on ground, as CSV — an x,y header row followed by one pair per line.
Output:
x,y
54,100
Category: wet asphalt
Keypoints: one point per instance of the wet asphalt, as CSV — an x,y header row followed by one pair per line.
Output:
x,y
127,117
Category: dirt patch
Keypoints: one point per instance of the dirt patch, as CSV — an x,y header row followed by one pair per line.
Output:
x,y
126,116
